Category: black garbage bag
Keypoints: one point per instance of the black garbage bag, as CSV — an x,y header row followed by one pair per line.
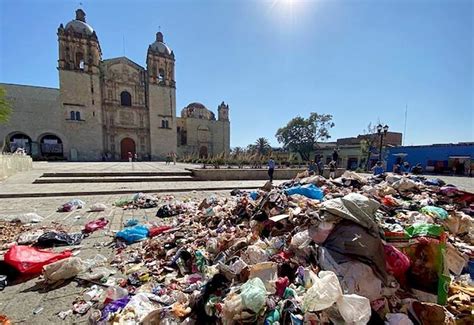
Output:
x,y
166,211
53,238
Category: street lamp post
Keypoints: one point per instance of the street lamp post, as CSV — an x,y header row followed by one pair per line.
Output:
x,y
382,131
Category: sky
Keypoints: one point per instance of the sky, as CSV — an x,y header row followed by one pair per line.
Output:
x,y
361,61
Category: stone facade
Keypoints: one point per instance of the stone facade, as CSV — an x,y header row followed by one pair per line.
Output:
x,y
105,109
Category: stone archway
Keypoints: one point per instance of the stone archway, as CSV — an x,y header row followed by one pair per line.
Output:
x,y
20,140
51,146
127,145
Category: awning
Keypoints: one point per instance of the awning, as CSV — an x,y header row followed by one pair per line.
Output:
x,y
459,157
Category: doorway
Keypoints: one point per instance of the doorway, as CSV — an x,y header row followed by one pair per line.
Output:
x,y
127,145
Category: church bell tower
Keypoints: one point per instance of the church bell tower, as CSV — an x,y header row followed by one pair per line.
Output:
x,y
80,90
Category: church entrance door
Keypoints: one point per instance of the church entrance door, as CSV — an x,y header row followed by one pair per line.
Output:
x,y
127,145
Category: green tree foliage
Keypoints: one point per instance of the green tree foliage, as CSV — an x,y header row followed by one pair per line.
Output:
x,y
302,135
369,141
5,106
262,146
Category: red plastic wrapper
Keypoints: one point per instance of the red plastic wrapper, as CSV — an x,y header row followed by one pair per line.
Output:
x,y
95,225
155,231
30,260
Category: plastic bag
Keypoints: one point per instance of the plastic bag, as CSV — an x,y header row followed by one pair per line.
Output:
x,y
323,293
155,231
253,294
326,291
95,225
133,234
140,305
359,278
114,306
30,260
97,207
72,205
435,212
62,269
354,309
23,218
424,229
267,272
52,238
397,319
396,262
311,191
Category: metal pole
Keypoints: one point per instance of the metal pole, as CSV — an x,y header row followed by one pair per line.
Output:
x,y
380,149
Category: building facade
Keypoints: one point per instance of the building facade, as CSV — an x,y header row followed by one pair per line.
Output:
x,y
108,108
451,158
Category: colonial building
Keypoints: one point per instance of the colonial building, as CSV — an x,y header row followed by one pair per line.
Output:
x,y
110,107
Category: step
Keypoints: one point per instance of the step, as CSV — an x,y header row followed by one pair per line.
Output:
x,y
121,179
115,174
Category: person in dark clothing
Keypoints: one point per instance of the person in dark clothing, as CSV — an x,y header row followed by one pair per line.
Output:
x,y
271,168
335,156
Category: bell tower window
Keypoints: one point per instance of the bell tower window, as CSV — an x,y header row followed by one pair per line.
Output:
x,y
80,60
161,75
125,98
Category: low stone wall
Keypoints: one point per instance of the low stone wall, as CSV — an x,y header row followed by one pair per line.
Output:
x,y
212,174
11,164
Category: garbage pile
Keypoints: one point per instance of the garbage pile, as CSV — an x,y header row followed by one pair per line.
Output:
x,y
354,250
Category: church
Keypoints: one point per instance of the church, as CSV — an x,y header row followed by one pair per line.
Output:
x,y
106,108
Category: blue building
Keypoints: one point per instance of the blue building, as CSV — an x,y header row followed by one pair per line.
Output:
x,y
435,158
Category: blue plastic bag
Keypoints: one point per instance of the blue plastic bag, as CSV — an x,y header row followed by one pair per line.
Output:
x,y
133,234
254,195
309,190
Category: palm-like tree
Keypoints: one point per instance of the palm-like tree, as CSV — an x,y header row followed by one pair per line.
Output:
x,y
262,146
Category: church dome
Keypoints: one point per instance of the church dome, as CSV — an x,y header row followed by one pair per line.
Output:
x,y
79,24
197,110
80,27
160,46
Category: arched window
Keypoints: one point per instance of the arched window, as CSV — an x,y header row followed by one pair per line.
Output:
x,y
80,60
161,75
72,115
125,98
78,116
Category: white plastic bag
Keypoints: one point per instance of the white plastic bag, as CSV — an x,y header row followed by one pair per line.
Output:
x,y
354,309
253,294
97,207
324,292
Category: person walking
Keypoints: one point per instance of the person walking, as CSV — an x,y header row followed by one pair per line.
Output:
x,y
335,156
320,167
332,169
168,158
271,169
130,156
173,154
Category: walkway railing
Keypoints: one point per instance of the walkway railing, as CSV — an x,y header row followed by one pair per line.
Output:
x,y
14,163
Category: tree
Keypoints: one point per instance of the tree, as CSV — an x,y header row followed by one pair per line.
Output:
x,y
369,141
5,106
262,146
302,135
